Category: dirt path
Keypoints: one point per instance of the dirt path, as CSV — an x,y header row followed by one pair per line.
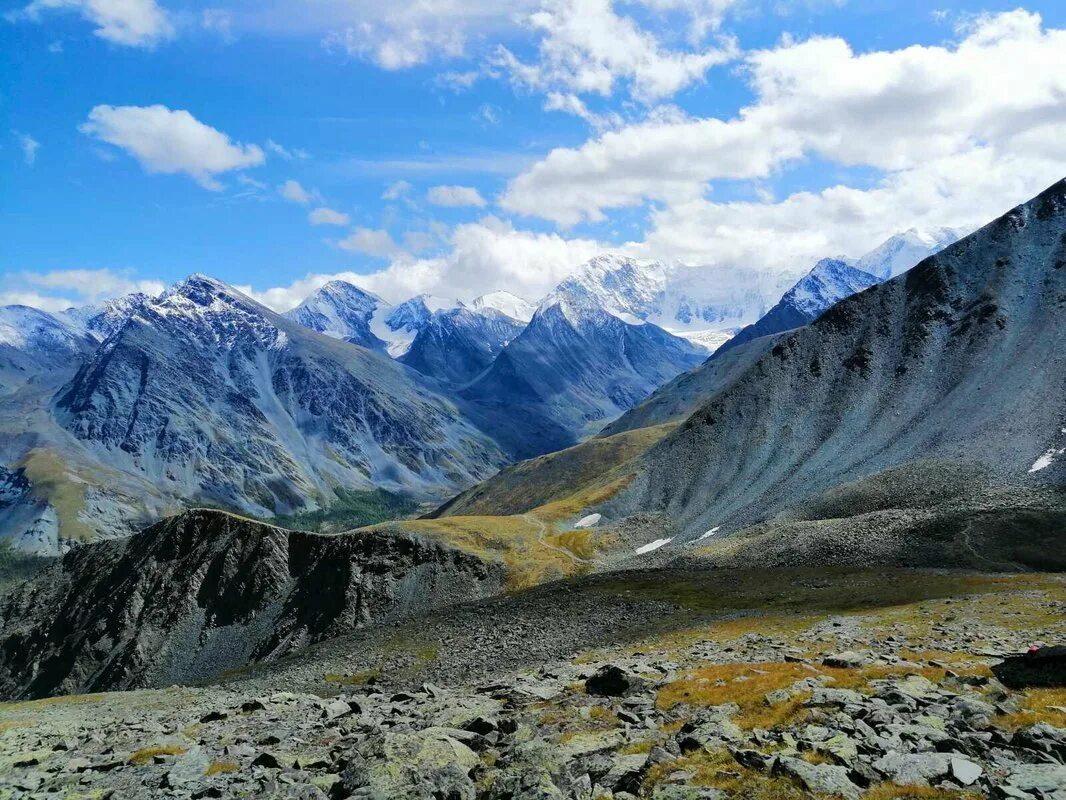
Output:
x,y
542,531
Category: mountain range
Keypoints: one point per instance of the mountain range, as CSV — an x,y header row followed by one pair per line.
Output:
x,y
118,414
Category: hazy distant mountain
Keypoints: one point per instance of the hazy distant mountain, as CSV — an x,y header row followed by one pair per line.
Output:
x,y
900,252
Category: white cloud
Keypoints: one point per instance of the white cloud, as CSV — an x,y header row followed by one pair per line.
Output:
x,y
486,255
295,193
586,47
959,191
171,142
396,190
400,35
1001,86
29,147
61,289
327,216
455,196
285,152
134,23
371,241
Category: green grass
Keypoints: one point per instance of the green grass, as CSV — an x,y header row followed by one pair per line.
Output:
x,y
351,509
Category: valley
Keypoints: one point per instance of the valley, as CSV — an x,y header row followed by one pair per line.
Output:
x,y
809,565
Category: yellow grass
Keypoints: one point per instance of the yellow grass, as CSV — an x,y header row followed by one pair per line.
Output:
x,y
1037,707
891,791
222,768
744,684
146,754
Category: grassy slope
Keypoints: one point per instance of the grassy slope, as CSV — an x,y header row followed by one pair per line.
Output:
x,y
554,477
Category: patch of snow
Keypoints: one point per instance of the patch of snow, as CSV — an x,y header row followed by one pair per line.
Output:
x,y
709,533
589,521
647,548
1047,459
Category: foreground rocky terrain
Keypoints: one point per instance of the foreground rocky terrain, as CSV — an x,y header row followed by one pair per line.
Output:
x,y
683,684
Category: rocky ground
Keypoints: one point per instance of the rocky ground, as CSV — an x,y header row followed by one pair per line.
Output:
x,y
784,685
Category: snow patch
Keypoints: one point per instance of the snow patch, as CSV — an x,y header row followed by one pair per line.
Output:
x,y
589,521
709,533
647,548
1046,460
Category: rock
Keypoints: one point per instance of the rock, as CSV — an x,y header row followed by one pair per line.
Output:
x,y
612,681
687,793
752,759
527,784
840,747
481,726
214,716
913,769
846,660
818,778
626,774
1045,778
272,759
708,735
834,697
420,766
336,710
1043,738
964,771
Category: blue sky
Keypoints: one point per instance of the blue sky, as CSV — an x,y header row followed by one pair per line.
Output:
x,y
368,106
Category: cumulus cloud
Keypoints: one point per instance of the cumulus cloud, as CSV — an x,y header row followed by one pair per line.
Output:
x,y
327,216
486,255
1000,86
586,47
57,290
370,241
171,142
134,23
455,196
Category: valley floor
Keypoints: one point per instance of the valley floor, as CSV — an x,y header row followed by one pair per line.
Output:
x,y
669,683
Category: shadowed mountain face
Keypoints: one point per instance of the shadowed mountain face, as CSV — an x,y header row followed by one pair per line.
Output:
x,y
215,397
458,344
205,592
962,358
576,367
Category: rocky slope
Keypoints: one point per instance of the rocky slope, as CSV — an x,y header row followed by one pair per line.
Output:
x,y
678,685
204,592
962,358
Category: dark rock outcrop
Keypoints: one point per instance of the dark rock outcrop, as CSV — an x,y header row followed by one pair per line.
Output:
x,y
206,592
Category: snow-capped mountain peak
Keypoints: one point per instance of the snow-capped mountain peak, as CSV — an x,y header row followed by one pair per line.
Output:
x,y
831,280
342,310
506,303
900,252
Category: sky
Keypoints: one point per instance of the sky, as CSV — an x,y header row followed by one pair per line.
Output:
x,y
458,147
